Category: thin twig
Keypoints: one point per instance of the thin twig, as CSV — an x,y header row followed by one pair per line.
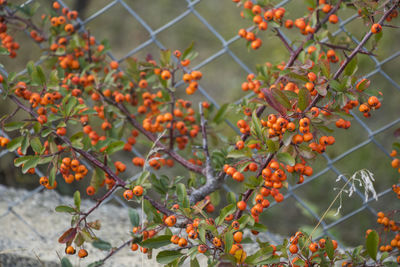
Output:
x,y
334,46
213,182
285,43
114,251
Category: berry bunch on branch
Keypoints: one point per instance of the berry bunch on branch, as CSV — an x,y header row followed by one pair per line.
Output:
x,y
85,113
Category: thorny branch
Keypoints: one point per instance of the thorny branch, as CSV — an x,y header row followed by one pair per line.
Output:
x,y
334,46
212,182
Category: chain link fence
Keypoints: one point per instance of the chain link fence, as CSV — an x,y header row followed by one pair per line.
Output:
x,y
367,143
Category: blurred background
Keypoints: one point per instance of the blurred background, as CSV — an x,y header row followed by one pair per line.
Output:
x,y
136,28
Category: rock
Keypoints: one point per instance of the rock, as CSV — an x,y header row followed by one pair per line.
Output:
x,y
30,229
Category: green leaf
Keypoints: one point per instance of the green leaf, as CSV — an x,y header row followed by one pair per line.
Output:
x,y
101,244
248,14
79,240
372,244
65,262
335,85
298,76
133,217
182,195
272,146
187,51
351,68
4,51
221,114
96,264
25,144
63,208
72,102
281,98
77,199
245,152
15,143
52,176
311,3
256,126
157,242
194,262
36,144
228,241
97,178
114,147
225,212
31,163
303,99
390,263
40,73
244,220
21,160
202,234
287,138
15,125
258,227
151,212
165,57
329,248
286,158
53,78
231,198
168,256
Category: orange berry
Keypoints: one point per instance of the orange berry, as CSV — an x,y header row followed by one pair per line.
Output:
x,y
202,248
138,190
182,242
165,75
376,28
293,249
241,205
237,237
128,194
70,250
90,190
82,253
114,65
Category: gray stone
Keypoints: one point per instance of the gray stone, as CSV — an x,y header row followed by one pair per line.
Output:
x,y
30,230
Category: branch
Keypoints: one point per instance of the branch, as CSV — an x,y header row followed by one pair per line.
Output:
x,y
99,201
209,168
28,23
212,182
346,48
158,206
287,45
114,251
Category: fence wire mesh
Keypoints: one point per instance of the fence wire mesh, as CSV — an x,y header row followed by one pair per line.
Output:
x,y
374,134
